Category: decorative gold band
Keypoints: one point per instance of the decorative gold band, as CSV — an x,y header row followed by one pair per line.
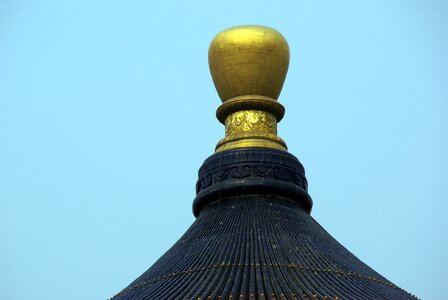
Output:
x,y
265,141
250,121
251,128
250,102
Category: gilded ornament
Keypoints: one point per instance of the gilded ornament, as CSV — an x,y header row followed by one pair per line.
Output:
x,y
248,66
250,121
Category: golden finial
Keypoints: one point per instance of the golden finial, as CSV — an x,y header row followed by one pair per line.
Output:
x,y
249,65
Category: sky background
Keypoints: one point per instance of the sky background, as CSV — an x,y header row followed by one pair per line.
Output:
x,y
107,110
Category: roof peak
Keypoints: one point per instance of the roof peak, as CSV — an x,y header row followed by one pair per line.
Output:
x,y
248,66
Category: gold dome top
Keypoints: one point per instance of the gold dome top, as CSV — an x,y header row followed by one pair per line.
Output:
x,y
248,66
248,60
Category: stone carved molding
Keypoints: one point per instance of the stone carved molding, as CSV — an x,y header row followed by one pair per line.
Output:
x,y
254,170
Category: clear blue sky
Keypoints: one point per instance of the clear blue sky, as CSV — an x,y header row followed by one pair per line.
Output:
x,y
107,111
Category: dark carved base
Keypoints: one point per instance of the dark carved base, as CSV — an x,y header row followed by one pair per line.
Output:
x,y
251,171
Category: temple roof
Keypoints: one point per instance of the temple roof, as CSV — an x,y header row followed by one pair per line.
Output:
x,y
254,237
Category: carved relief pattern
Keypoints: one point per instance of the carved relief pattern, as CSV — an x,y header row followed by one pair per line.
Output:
x,y
251,121
242,171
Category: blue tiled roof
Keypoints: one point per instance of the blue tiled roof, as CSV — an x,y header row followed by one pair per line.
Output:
x,y
256,242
